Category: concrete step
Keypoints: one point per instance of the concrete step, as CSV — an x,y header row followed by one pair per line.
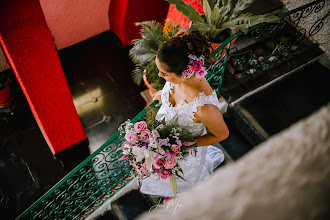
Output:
x,y
274,108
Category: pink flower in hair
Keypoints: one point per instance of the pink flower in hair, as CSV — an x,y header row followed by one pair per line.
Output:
x,y
188,72
197,65
201,73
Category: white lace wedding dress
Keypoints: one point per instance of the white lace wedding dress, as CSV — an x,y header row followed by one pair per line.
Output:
x,y
195,169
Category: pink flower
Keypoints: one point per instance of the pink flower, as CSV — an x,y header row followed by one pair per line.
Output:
x,y
170,163
144,169
140,126
127,146
133,137
175,148
201,73
160,162
197,65
189,71
155,134
161,151
164,174
145,135
135,166
170,154
125,157
156,156
187,143
155,169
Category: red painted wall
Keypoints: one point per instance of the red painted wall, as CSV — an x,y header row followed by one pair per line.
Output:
x,y
124,13
32,56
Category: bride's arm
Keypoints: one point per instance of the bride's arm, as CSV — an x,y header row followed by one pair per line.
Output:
x,y
212,118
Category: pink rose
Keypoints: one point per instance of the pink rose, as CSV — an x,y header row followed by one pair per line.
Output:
x,y
161,151
170,154
189,71
197,65
201,73
145,135
140,126
133,137
164,174
160,162
175,148
155,170
170,163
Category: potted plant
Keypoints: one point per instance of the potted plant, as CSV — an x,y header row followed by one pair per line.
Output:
x,y
144,51
5,94
221,15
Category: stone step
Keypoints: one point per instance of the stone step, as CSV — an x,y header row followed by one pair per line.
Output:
x,y
131,205
285,102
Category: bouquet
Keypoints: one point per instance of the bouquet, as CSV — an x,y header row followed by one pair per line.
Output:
x,y
156,149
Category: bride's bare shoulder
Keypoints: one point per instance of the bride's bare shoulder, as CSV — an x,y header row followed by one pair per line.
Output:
x,y
194,92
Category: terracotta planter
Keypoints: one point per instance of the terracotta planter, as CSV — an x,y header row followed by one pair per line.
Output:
x,y
215,45
152,90
5,96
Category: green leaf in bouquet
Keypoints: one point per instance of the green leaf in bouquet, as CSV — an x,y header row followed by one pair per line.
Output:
x,y
180,174
173,184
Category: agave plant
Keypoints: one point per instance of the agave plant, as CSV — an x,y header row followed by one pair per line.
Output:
x,y
221,15
144,50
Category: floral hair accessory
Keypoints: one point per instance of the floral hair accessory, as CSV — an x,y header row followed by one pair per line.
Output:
x,y
195,66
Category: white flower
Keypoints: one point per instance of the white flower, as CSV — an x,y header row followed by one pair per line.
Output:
x,y
138,152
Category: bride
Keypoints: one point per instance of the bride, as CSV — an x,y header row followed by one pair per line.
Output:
x,y
188,97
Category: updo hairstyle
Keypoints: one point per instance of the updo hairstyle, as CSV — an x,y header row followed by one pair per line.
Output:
x,y
174,53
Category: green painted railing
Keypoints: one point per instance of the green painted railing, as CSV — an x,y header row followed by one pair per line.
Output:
x,y
265,46
90,184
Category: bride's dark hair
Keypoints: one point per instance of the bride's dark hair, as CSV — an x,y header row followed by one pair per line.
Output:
x,y
174,53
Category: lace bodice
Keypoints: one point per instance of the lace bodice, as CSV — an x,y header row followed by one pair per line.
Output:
x,y
195,169
183,111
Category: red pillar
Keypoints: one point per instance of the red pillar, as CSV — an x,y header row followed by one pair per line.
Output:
x,y
31,53
124,13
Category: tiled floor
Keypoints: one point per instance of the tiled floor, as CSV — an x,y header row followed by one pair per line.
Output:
x,y
98,74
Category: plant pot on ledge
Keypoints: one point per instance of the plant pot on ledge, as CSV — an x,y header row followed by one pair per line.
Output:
x,y
6,96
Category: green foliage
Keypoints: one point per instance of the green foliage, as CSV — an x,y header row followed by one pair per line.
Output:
x,y
144,50
221,15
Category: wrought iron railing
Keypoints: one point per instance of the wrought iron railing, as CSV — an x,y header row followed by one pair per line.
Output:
x,y
268,46
90,184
